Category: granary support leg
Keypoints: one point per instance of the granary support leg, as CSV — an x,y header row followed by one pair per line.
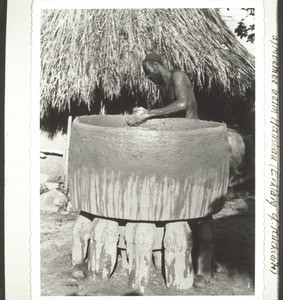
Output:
x,y
139,241
81,235
178,244
103,248
206,236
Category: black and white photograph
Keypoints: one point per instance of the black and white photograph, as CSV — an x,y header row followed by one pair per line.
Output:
x,y
147,121
147,150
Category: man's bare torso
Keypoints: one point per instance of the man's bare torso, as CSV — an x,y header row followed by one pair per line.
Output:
x,y
168,94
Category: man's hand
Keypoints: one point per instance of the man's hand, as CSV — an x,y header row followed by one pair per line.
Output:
x,y
139,115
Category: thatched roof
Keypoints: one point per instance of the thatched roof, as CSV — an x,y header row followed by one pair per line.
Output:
x,y
91,56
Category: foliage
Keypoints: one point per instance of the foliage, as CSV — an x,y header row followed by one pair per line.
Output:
x,y
245,30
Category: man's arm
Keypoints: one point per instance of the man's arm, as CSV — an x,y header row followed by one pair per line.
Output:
x,y
184,101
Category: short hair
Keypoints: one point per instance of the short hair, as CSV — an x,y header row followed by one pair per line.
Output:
x,y
153,57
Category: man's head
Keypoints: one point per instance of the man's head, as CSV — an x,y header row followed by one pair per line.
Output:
x,y
152,66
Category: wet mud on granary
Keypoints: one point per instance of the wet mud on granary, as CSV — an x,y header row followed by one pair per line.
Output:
x,y
234,251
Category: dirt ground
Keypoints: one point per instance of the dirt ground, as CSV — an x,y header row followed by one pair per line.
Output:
x,y
235,248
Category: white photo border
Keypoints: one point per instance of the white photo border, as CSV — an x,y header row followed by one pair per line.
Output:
x,y
35,133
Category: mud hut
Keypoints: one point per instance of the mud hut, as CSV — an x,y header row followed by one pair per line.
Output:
x,y
91,63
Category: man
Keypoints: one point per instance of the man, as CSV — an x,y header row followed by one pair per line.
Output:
x,y
175,85
180,101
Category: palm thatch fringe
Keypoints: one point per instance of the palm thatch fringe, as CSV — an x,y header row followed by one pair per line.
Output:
x,y
90,56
